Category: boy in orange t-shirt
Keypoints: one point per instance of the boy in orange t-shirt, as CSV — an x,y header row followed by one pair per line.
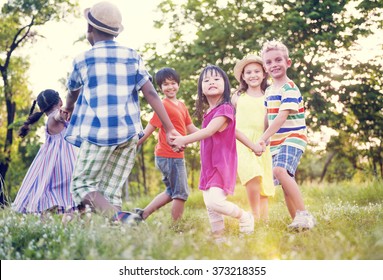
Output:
x,y
170,163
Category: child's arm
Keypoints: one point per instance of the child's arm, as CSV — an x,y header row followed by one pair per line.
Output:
x,y
234,98
71,99
276,125
265,122
191,128
149,129
217,124
155,102
257,149
266,126
56,123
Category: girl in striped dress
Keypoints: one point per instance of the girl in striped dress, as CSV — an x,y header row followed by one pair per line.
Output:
x,y
46,186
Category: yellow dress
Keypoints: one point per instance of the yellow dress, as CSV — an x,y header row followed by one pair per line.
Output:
x,y
250,121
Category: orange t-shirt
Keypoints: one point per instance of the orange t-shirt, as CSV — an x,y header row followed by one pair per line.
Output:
x,y
179,116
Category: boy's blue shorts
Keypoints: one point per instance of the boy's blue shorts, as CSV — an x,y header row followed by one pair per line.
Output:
x,y
174,177
288,157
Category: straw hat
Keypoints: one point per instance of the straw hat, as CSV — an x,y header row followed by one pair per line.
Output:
x,y
238,68
105,17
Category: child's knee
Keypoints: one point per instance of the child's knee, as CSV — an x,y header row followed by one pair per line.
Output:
x,y
215,205
279,172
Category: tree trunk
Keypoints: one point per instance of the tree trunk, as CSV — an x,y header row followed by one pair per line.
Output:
x,y
11,109
327,163
3,200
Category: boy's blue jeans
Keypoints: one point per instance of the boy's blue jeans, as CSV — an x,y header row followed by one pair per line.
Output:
x,y
174,176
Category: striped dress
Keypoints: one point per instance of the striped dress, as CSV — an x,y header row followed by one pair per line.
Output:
x,y
293,131
46,185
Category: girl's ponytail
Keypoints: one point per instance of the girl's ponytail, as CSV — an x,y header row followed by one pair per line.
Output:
x,y
46,100
32,118
33,107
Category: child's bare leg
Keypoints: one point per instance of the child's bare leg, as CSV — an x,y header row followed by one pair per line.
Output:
x,y
177,208
264,208
159,201
254,196
97,201
291,191
289,203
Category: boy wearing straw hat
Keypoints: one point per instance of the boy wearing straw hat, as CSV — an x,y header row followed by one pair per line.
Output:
x,y
105,122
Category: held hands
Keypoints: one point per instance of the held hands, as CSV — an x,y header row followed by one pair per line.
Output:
x,y
63,115
66,113
171,136
259,147
178,144
60,116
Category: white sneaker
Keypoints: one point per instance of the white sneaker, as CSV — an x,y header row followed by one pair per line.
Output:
x,y
303,220
246,223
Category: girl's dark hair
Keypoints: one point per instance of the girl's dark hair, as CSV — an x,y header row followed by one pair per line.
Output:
x,y
201,102
243,86
166,73
46,100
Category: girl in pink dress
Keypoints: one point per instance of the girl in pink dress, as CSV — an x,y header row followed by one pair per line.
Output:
x,y
218,151
46,184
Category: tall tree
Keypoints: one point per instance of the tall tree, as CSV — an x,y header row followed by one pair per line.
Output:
x,y
317,33
363,105
17,23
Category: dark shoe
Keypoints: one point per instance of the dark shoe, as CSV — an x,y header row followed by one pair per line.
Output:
x,y
139,211
126,217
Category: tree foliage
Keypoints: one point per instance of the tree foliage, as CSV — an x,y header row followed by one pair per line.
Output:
x,y
17,28
320,35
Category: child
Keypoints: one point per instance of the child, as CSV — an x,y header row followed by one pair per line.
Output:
x,y
46,185
218,150
105,123
170,163
254,172
286,131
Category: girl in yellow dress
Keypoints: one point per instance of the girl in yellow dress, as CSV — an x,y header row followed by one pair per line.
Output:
x,y
254,172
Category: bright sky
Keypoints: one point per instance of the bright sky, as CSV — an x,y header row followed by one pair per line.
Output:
x,y
51,57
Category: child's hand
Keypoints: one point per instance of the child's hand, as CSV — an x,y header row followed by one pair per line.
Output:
x,y
259,148
60,116
178,145
170,139
66,113
267,142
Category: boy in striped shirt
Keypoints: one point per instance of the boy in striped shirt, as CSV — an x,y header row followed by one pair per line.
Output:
x,y
286,130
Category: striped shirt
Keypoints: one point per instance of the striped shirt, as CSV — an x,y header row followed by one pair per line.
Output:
x,y
107,111
293,131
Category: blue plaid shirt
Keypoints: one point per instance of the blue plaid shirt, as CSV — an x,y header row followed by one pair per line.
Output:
x,y
107,111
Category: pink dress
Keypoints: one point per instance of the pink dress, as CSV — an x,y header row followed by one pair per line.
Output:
x,y
47,182
219,153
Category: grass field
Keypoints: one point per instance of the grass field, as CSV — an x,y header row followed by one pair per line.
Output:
x,y
349,226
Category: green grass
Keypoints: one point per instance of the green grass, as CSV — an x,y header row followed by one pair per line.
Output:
x,y
349,217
